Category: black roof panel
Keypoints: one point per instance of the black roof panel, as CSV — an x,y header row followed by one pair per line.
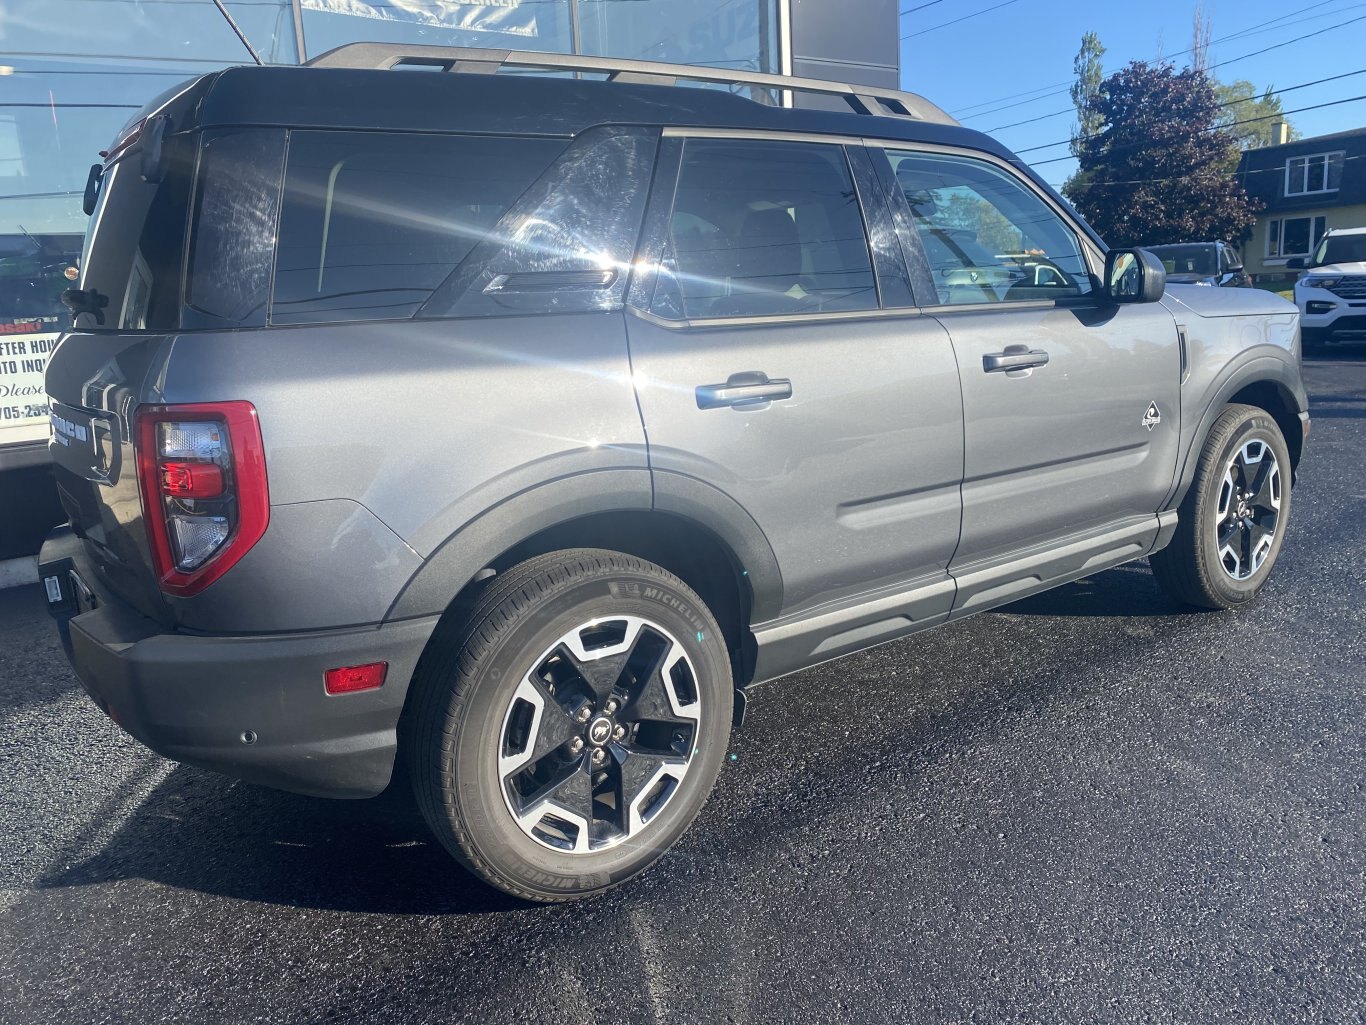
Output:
x,y
304,97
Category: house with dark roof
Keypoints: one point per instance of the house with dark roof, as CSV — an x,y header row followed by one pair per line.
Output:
x,y
1305,187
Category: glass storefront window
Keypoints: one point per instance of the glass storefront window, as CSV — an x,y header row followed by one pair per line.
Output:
x,y
171,30
72,72
736,34
501,24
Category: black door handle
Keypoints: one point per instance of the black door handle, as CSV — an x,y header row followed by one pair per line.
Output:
x,y
1016,357
749,388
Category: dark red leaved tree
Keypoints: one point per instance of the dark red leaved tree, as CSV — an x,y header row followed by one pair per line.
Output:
x,y
1160,169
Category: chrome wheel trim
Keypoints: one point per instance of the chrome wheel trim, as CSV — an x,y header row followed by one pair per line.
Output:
x,y
1247,514
571,794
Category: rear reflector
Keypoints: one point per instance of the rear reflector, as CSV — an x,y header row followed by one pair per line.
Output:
x,y
349,679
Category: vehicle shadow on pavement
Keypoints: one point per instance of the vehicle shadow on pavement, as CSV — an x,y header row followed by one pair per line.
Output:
x,y
1128,591
204,832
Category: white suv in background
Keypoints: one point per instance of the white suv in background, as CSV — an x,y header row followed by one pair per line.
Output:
x,y
1332,295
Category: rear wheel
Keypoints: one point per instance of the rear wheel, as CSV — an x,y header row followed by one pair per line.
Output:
x,y
571,728
1233,520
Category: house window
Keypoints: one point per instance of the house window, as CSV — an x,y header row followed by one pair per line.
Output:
x,y
1293,236
1321,172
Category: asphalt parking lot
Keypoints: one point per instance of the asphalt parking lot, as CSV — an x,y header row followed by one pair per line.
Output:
x,y
1089,807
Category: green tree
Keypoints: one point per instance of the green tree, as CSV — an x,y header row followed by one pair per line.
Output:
x,y
1248,115
1086,90
1159,169
990,227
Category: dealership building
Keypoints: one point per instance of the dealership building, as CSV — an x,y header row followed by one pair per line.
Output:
x,y
72,72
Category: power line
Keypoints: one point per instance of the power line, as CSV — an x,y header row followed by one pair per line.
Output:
x,y
1235,124
1251,29
1277,46
1232,60
1230,103
918,7
974,14
1201,176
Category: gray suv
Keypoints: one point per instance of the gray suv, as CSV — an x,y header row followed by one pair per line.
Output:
x,y
512,425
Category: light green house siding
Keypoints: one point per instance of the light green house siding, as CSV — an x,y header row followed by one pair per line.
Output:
x,y
1271,269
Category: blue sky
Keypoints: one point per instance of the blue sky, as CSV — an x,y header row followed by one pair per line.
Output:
x,y
1014,64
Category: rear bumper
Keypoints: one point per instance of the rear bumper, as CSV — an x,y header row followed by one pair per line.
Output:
x,y
194,698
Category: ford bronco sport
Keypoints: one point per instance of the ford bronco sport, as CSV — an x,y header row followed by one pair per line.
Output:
x,y
513,424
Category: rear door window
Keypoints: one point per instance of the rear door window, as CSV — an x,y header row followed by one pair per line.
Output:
x,y
761,228
373,222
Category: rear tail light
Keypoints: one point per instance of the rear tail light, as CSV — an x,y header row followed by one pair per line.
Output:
x,y
202,471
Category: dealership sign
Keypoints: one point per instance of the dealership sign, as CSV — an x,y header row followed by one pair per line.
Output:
x,y
25,345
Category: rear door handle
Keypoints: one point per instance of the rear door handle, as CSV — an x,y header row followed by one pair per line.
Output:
x,y
1016,357
751,387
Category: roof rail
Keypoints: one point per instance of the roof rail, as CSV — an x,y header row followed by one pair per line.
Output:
x,y
862,99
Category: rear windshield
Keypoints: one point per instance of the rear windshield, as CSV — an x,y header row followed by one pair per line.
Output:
x,y
1186,259
373,222
133,249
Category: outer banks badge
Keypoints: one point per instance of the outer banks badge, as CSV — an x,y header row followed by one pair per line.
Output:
x,y
1152,417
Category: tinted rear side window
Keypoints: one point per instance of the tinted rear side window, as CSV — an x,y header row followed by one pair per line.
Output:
x,y
373,222
233,241
762,228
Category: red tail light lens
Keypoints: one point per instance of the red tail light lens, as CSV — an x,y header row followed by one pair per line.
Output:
x,y
202,472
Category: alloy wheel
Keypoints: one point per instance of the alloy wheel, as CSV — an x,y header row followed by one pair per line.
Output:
x,y
599,734
1249,509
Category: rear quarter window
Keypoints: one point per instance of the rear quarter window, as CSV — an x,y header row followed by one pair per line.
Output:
x,y
373,222
233,241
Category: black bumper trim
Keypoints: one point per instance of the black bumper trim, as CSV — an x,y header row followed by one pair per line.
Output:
x,y
195,698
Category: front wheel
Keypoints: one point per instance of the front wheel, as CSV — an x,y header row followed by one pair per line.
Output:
x,y
571,728
1232,522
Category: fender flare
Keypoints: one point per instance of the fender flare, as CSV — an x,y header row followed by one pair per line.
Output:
x,y
708,506
1274,370
458,559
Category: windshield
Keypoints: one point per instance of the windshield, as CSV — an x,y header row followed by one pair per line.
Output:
x,y
1185,259
1342,249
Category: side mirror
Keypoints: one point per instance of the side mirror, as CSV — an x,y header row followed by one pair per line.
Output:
x,y
1296,263
1134,276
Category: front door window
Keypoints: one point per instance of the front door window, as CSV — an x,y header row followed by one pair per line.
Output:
x,y
987,237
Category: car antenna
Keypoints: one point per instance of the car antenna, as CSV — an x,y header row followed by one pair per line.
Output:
x,y
240,34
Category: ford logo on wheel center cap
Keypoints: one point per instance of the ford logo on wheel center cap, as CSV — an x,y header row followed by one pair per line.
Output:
x,y
600,730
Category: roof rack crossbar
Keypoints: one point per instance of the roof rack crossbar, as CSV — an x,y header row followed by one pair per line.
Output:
x,y
862,99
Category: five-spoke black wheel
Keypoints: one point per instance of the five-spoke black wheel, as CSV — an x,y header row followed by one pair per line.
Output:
x,y
565,732
1232,521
